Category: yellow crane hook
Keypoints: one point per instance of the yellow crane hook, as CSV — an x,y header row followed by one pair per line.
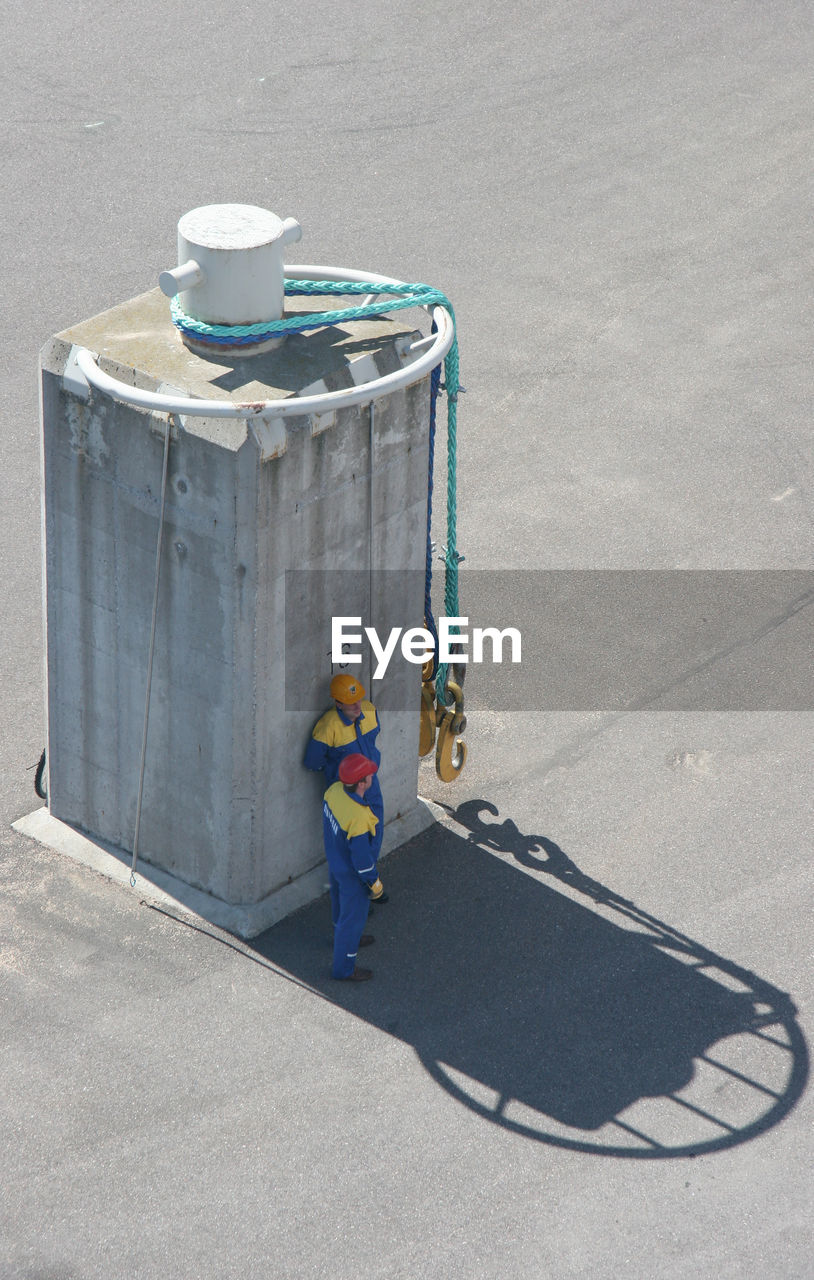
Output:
x,y
450,751
430,716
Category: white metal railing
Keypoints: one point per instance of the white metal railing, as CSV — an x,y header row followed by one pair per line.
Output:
x,y
291,406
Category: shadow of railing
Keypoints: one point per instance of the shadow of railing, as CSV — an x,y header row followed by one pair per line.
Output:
x,y
589,1025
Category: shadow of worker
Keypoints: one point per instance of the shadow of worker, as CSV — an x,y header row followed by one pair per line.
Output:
x,y
588,1025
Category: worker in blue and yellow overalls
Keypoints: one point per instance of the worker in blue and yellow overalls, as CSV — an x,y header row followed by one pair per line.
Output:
x,y
349,830
350,726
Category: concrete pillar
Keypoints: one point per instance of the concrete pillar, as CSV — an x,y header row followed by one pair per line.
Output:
x,y
252,505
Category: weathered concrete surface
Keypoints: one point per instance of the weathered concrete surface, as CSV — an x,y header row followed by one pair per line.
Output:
x,y
616,196
228,810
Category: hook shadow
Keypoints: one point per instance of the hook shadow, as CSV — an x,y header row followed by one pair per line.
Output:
x,y
554,1007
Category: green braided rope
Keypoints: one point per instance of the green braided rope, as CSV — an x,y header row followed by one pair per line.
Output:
x,y
451,601
395,297
406,295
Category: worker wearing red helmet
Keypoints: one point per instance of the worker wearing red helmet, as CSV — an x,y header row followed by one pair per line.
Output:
x,y
351,726
349,828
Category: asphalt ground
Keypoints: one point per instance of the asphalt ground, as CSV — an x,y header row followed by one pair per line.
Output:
x,y
584,1052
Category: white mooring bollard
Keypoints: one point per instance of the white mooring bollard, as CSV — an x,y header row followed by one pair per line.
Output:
x,y
231,267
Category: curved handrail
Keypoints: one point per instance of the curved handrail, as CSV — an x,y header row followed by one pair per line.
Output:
x,y
292,406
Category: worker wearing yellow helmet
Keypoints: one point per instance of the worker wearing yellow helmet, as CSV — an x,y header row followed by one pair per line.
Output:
x,y
350,727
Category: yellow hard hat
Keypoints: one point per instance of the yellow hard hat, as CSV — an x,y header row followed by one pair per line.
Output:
x,y
347,689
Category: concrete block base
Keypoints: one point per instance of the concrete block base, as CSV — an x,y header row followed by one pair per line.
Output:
x,y
244,920
263,523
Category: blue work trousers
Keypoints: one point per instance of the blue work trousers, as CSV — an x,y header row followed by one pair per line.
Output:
x,y
350,903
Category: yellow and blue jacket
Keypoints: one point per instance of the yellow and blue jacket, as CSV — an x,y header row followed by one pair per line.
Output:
x,y
349,826
335,737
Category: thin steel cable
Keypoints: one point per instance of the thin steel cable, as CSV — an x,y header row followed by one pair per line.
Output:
x,y
151,654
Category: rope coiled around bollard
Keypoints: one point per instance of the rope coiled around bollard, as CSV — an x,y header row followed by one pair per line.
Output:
x,y
398,298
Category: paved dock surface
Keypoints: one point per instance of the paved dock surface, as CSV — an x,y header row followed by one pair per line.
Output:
x,y
584,1052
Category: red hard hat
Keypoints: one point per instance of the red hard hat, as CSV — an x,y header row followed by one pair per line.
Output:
x,y
355,767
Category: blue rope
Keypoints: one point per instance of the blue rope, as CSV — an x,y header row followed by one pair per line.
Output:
x,y
451,557
429,620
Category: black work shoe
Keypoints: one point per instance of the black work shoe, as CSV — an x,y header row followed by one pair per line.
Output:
x,y
366,940
359,975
